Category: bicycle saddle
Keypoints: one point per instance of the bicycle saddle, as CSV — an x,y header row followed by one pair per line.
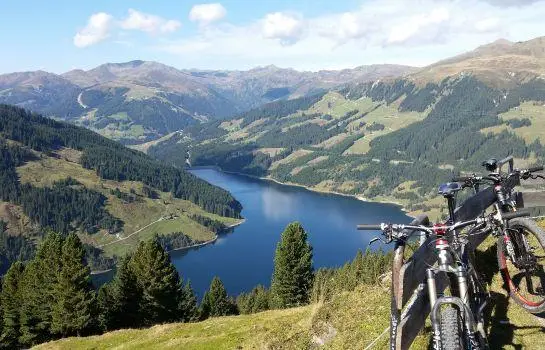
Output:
x,y
449,189
491,164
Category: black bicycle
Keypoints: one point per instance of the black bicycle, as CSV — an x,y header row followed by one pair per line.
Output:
x,y
520,244
457,319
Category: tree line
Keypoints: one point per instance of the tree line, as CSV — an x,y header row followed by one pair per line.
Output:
x,y
51,296
111,160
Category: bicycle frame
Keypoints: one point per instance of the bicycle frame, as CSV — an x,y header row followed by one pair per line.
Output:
x,y
457,267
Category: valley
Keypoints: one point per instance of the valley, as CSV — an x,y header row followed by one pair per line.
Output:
x,y
145,205
389,140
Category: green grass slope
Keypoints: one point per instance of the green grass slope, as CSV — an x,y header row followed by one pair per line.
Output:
x,y
350,320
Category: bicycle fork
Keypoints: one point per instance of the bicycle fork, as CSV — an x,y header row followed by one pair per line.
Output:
x,y
461,303
447,265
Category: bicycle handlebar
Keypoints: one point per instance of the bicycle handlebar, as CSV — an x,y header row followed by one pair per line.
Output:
x,y
395,231
515,214
370,227
474,179
462,178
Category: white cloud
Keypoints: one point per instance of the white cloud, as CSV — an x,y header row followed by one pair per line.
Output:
x,y
97,29
205,14
285,27
149,23
415,32
416,25
508,3
488,24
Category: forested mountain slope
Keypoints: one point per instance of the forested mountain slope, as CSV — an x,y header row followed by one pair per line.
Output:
x,y
389,140
60,177
139,101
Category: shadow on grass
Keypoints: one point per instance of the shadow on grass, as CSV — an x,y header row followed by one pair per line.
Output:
x,y
501,332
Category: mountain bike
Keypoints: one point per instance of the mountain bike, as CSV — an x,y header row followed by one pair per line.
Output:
x,y
457,319
521,245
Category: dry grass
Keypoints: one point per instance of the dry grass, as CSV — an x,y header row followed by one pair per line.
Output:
x,y
318,160
272,151
332,141
237,134
390,117
293,156
351,320
144,147
535,111
231,125
337,106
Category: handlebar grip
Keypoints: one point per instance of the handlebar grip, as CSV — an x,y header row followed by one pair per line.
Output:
x,y
515,214
461,178
370,227
536,168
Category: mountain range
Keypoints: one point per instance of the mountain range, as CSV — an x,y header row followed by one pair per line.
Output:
x,y
391,139
139,101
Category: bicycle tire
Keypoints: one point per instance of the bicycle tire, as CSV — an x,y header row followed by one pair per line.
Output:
x,y
515,292
451,329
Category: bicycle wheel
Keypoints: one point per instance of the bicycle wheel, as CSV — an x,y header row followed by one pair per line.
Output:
x,y
451,329
525,277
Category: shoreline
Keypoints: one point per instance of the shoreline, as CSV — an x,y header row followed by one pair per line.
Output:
x,y
270,179
198,245
209,241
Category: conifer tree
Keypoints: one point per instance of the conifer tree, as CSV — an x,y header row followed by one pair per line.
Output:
x,y
37,291
1,320
188,304
216,302
106,306
159,283
10,312
72,312
293,272
125,296
257,300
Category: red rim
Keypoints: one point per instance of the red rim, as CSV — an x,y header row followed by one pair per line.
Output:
x,y
511,285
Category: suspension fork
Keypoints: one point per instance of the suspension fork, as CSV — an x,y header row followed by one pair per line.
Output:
x,y
464,309
460,274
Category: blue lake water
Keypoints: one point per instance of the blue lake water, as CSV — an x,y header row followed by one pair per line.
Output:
x,y
243,258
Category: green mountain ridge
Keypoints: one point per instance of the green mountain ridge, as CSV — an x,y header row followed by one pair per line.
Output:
x,y
140,101
56,176
391,141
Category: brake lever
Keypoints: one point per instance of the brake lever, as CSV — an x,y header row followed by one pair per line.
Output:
x,y
374,240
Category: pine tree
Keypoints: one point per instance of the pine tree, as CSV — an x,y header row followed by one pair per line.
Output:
x,y
257,300
159,282
10,299
188,304
73,310
293,273
106,307
125,295
1,319
37,291
216,302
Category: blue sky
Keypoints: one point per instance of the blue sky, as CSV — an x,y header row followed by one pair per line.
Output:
x,y
308,35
